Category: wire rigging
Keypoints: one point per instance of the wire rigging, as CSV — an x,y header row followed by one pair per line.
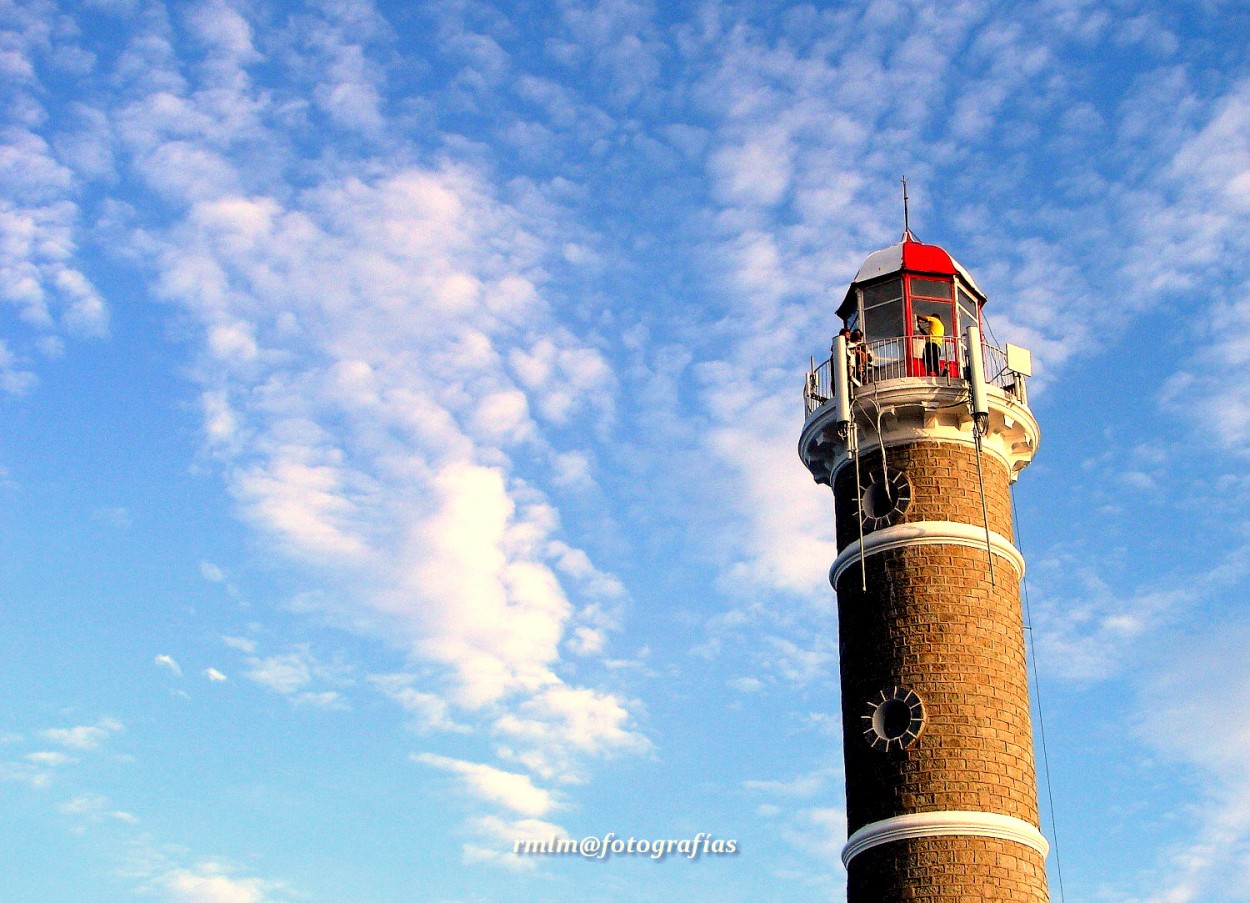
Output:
x,y
1037,690
985,514
853,437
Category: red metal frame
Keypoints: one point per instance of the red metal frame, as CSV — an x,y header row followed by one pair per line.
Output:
x,y
916,365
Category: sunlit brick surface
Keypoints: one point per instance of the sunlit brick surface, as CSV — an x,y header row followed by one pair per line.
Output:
x,y
944,487
948,870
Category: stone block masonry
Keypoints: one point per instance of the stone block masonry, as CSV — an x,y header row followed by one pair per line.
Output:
x,y
943,476
948,870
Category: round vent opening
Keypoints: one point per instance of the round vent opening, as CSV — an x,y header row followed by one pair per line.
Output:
x,y
894,720
883,500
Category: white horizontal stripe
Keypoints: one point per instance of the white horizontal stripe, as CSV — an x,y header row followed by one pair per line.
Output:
x,y
929,532
944,824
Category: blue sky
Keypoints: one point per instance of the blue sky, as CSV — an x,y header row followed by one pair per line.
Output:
x,y
398,409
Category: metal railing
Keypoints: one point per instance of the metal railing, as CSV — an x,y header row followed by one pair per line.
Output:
x,y
941,359
996,372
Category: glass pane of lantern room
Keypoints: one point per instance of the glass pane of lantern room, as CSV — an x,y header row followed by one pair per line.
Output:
x,y
967,311
943,310
883,310
885,321
890,290
930,288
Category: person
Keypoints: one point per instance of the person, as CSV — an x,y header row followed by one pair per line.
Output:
x,y
933,328
860,357
844,332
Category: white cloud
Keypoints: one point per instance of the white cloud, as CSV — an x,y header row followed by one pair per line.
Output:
x,y
789,541
746,684
496,622
807,658
562,378
320,501
85,804
515,792
13,379
819,831
1086,637
1191,227
494,840
1182,718
348,82
214,573
430,711
304,495
803,786
49,758
167,872
331,700
284,674
293,674
25,772
576,565
94,808
116,515
561,723
165,661
213,882
214,675
39,216
224,31
1089,630
84,737
221,423
587,641
755,173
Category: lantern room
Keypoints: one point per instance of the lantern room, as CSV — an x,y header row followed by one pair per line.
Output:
x,y
912,359
913,302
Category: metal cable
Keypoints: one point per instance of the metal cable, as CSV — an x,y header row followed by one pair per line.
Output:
x,y
859,506
885,470
1037,690
985,514
989,328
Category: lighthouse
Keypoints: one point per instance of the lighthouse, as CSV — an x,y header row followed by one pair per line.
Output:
x,y
920,427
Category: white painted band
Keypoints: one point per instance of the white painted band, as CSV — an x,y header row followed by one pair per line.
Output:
x,y
940,824
923,533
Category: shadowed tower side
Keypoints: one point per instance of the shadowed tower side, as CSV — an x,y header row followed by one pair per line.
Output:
x,y
920,427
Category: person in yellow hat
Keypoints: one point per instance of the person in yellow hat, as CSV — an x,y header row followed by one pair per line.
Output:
x,y
933,328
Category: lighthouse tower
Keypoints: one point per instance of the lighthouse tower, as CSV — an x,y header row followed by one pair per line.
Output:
x,y
920,429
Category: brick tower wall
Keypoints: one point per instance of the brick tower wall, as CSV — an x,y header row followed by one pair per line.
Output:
x,y
946,870
932,621
944,487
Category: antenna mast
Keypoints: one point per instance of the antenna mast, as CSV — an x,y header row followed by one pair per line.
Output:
x,y
906,218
